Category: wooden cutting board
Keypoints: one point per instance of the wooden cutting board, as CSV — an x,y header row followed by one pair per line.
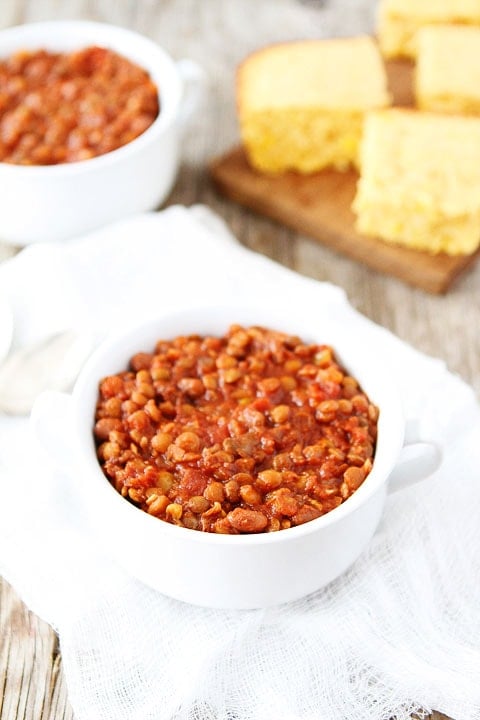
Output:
x,y
319,205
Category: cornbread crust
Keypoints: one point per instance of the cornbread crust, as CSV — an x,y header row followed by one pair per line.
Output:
x,y
443,85
400,20
420,182
301,105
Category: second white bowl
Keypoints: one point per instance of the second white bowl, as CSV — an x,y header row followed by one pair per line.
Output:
x,y
56,202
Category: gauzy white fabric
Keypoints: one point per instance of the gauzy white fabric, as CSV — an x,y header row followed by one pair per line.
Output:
x,y
399,632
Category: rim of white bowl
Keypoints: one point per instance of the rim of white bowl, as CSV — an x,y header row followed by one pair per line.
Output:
x,y
168,108
383,462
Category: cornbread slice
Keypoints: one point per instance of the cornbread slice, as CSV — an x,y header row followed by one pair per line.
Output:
x,y
447,75
301,104
420,181
399,21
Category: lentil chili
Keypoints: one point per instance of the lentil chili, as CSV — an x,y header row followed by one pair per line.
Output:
x,y
251,432
63,107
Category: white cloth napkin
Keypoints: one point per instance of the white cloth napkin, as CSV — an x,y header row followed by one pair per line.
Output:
x,y
398,632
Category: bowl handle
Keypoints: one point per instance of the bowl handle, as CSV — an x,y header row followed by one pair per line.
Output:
x,y
194,81
49,423
418,460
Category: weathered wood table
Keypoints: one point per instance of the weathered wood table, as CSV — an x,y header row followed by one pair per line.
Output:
x,y
217,34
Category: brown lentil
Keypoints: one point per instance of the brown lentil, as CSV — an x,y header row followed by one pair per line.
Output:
x,y
252,432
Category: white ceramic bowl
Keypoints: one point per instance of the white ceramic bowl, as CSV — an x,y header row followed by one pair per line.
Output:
x,y
229,571
57,202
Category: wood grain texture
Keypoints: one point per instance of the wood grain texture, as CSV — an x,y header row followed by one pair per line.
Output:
x,y
218,34
320,205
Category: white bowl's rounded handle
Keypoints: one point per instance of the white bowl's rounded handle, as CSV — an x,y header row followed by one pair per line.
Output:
x,y
50,422
418,460
194,80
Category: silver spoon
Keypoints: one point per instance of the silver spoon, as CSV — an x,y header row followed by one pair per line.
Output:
x,y
53,363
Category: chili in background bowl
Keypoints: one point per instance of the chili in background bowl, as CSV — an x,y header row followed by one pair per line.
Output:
x,y
216,570
56,202
60,107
